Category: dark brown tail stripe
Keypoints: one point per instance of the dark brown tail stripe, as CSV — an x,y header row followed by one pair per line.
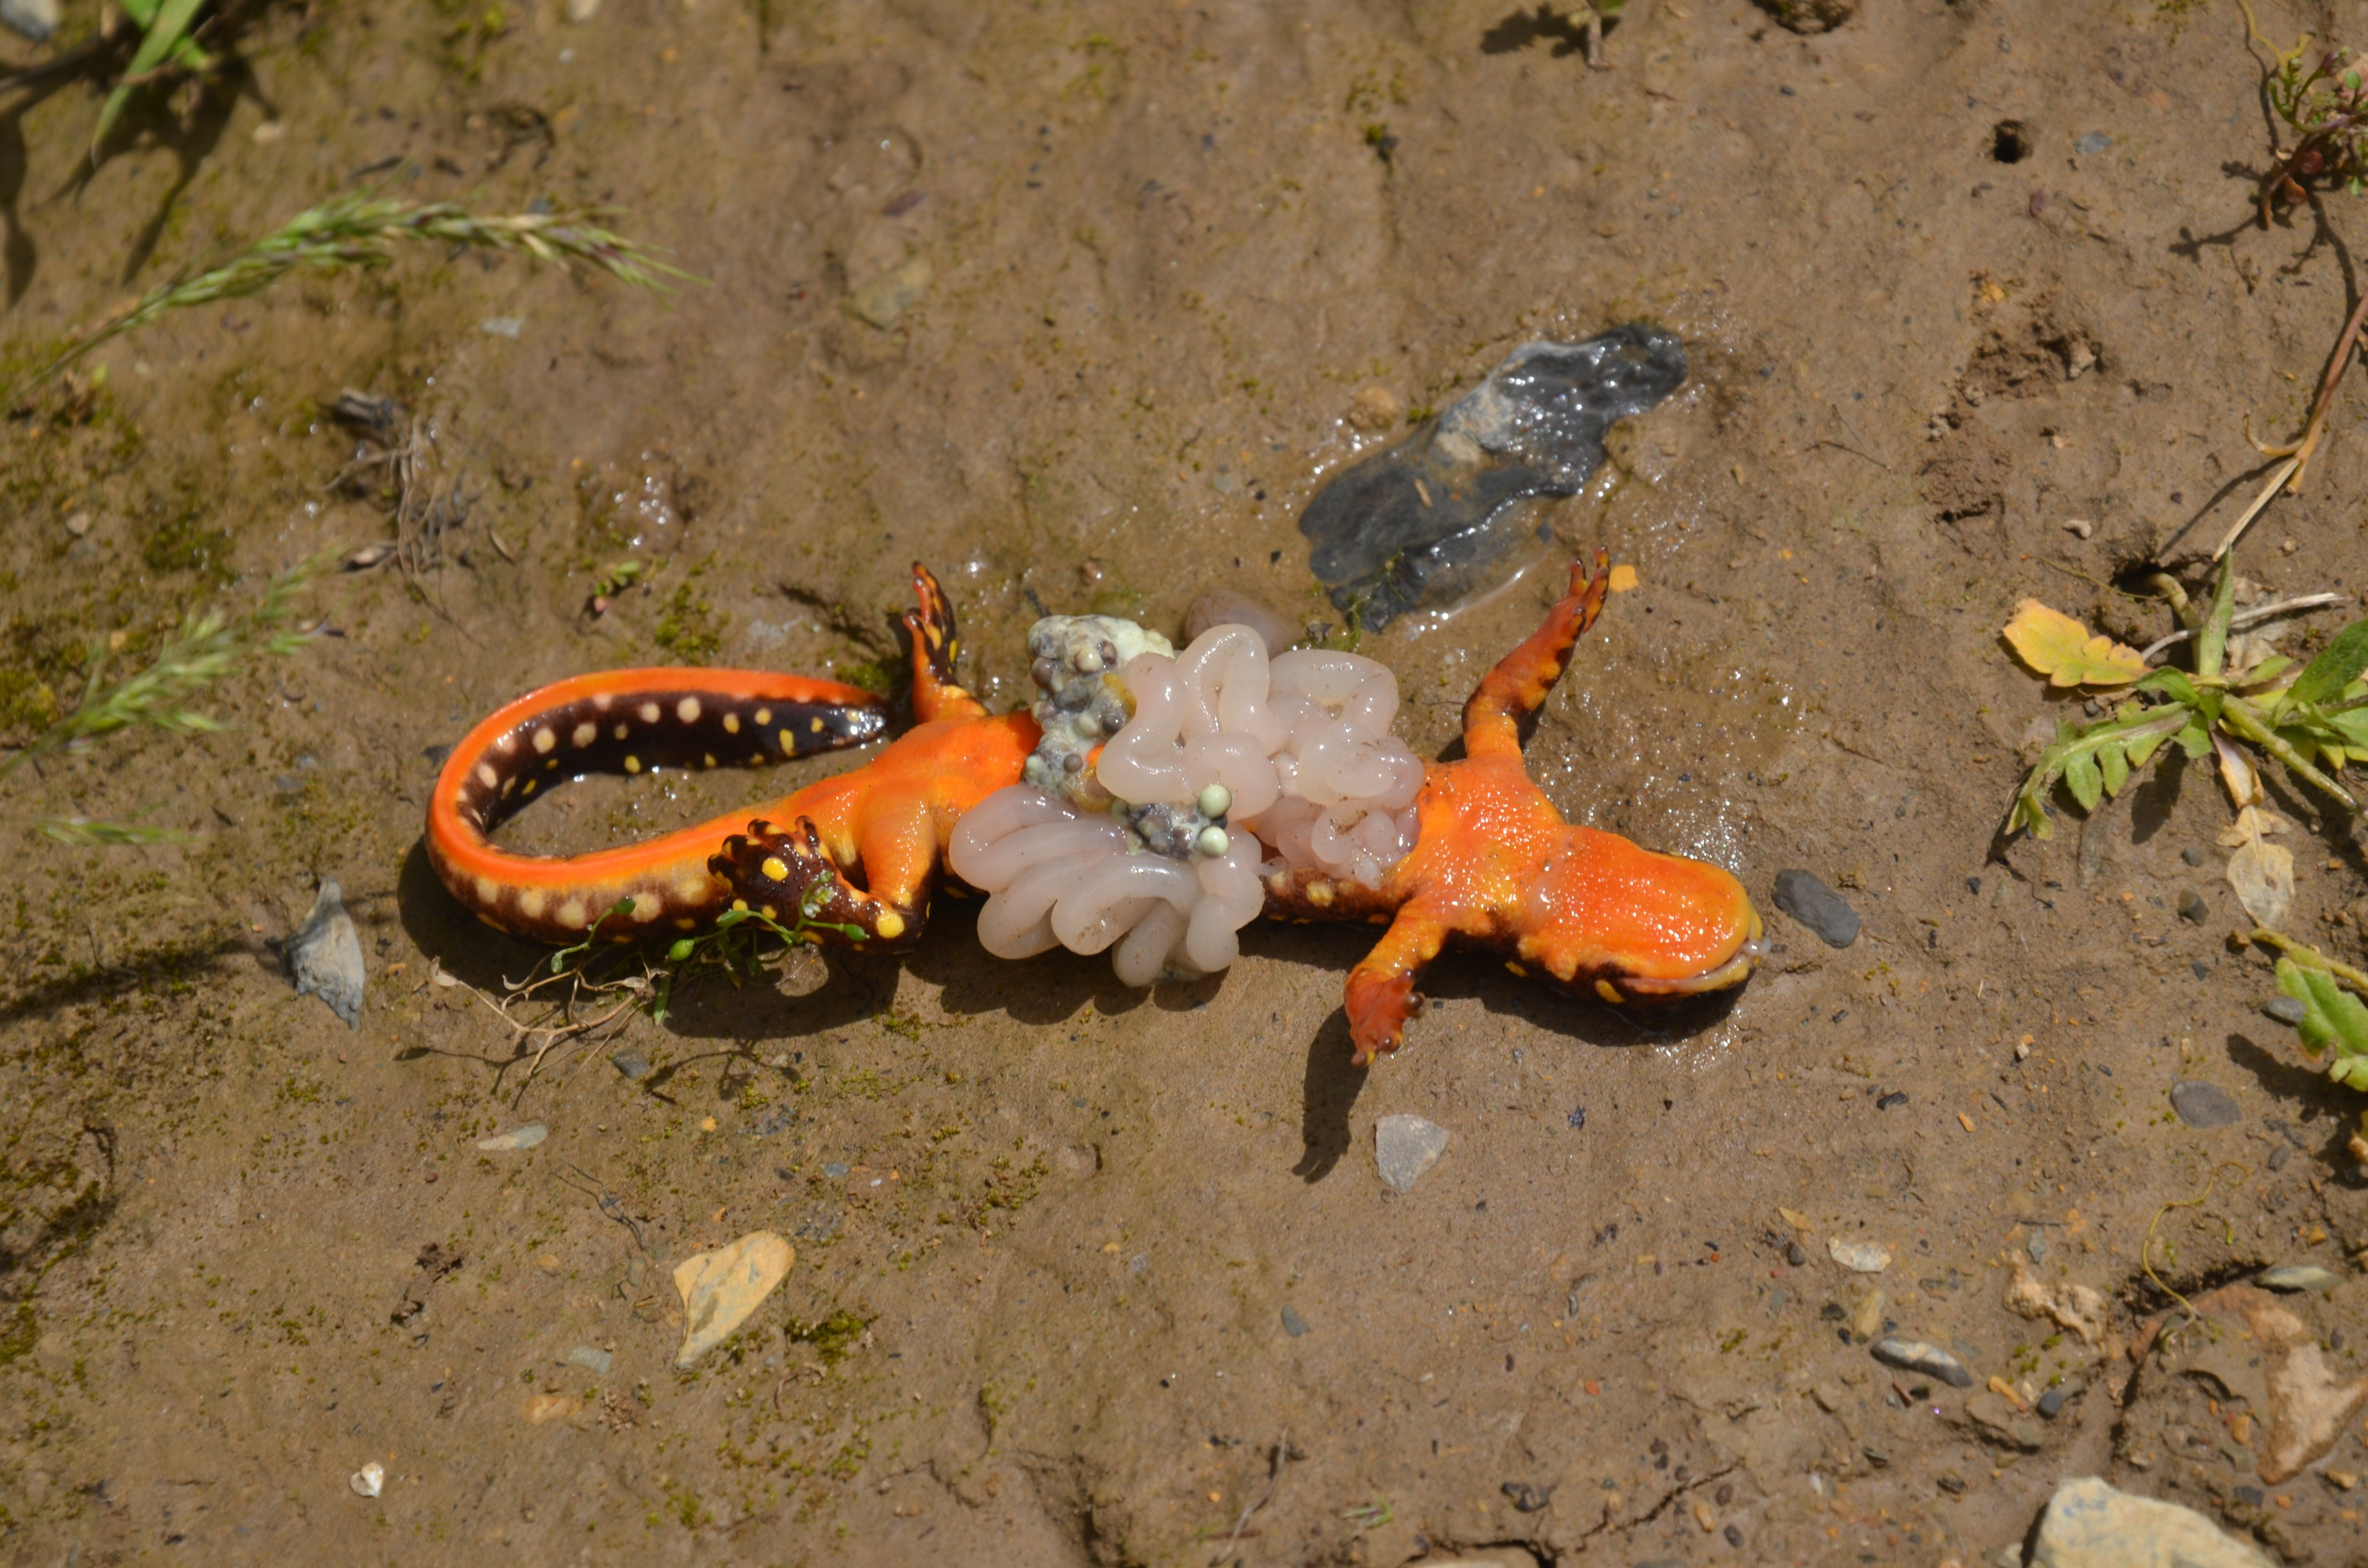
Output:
x,y
641,730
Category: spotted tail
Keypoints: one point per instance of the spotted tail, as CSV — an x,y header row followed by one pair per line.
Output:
x,y
622,721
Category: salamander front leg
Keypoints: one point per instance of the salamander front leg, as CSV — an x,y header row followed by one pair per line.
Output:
x,y
786,873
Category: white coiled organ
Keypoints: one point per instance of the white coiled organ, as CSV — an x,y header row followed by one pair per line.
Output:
x,y
1295,751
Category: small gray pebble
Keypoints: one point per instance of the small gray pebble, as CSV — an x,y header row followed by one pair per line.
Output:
x,y
324,956
834,1169
1292,1323
632,1063
2204,1105
1915,1356
1795,1254
2298,1277
2051,1404
2036,1246
1809,901
2192,855
2192,909
2095,142
2285,1009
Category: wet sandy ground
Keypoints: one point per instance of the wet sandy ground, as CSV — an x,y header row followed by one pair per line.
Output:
x,y
1071,302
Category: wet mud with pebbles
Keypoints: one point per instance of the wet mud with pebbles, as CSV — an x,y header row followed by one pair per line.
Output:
x,y
1082,305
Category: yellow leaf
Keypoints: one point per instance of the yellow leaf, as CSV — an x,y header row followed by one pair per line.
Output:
x,y
1796,1219
2061,649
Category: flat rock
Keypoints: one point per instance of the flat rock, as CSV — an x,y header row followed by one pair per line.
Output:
x,y
2090,1525
1404,1147
1807,899
720,1289
2298,1277
2204,1105
1999,1420
1440,516
1860,1257
1915,1356
525,1136
324,956
37,19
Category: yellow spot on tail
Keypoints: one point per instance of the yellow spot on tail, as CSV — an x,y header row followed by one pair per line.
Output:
x,y
508,785
890,925
937,638
740,904
709,759
1512,968
692,888
623,730
649,712
632,764
764,717
732,723
486,776
571,915
647,906
529,786
1610,992
774,868
585,733
488,890
789,740
1319,894
1623,577
544,739
685,923
688,710
530,904
817,725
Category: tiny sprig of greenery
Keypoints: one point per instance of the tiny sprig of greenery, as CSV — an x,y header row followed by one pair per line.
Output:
x,y
2325,103
164,41
363,231
206,648
740,945
2334,1021
2313,720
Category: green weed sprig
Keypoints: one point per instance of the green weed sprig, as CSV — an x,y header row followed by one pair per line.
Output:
x,y
2313,721
361,232
207,647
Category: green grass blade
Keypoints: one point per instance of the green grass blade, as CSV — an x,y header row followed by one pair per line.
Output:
x,y
168,29
2212,640
2337,666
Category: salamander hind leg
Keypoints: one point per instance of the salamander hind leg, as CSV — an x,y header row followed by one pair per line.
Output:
x,y
1380,989
787,874
1523,680
935,646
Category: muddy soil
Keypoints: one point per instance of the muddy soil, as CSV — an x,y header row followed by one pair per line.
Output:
x,y
1076,302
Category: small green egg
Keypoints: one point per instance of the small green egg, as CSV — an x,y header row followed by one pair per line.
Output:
x,y
1213,842
1215,800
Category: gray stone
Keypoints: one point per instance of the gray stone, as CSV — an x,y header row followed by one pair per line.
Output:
x,y
2090,1525
634,1065
1999,1421
525,1136
324,956
1292,1323
1453,509
1404,1147
2285,1009
2036,1246
2192,909
2095,142
2298,1277
1801,895
592,1358
2204,1105
37,19
1915,1356
2051,1404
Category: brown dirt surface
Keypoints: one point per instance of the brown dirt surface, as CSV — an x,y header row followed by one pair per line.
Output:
x,y
1081,301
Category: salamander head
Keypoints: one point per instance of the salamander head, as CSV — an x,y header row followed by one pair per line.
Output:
x,y
1628,925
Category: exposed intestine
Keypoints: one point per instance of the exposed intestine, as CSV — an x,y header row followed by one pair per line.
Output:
x,y
1156,853
1056,877
1347,785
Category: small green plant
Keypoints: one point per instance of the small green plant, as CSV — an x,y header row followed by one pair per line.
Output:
x,y
2314,721
2325,104
207,647
361,232
165,44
